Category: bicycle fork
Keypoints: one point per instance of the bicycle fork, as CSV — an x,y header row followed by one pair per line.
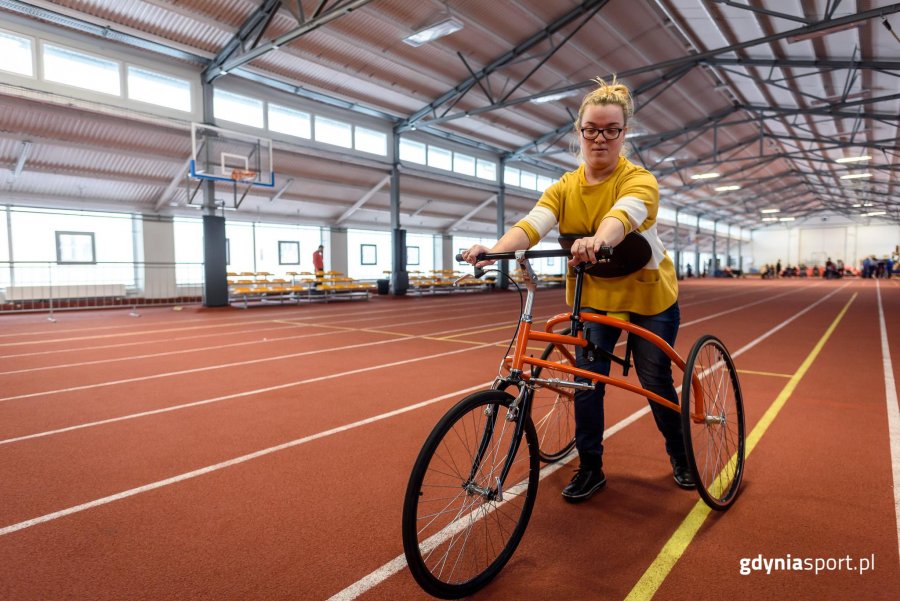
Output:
x,y
517,414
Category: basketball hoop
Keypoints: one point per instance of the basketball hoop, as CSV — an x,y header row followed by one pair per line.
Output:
x,y
241,175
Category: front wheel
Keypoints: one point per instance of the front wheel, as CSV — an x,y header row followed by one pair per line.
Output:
x,y
713,428
461,520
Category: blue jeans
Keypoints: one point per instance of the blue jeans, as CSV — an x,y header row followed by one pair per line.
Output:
x,y
654,370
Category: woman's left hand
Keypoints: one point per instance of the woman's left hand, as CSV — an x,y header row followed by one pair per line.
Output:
x,y
585,250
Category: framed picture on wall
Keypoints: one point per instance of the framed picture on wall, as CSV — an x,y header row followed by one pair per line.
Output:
x,y
288,253
75,248
368,254
412,255
459,252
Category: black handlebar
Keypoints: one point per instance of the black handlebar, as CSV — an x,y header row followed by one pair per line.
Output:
x,y
605,252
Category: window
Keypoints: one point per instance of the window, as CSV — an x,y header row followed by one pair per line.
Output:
x,y
368,254
486,170
510,176
74,68
334,132
441,158
414,152
369,140
237,108
544,182
15,54
289,121
75,247
412,255
528,180
463,163
159,89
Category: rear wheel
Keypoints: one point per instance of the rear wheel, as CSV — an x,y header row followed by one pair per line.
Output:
x,y
461,523
713,430
553,408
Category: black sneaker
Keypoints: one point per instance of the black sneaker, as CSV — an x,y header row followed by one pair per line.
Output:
x,y
584,484
682,473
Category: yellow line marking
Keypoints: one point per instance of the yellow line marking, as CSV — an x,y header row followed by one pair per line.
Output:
x,y
763,373
674,548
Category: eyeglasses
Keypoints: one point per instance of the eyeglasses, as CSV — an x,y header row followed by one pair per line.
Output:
x,y
609,133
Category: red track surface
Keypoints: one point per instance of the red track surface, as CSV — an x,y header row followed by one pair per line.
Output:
x,y
193,454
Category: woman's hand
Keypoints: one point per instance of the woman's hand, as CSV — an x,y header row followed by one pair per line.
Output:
x,y
470,256
585,250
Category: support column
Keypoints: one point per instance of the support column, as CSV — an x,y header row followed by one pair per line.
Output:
x,y
677,246
714,260
502,277
337,253
399,275
728,248
156,254
215,280
444,253
697,249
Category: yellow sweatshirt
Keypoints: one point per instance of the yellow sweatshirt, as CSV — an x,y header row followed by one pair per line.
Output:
x,y
631,195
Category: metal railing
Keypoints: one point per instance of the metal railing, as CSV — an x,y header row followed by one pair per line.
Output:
x,y
48,286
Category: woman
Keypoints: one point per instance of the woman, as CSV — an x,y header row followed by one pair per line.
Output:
x,y
606,198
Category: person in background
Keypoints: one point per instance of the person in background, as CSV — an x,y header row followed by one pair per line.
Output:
x,y
606,198
319,263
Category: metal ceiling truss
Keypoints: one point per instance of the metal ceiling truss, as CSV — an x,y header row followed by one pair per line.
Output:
x,y
710,57
245,45
587,9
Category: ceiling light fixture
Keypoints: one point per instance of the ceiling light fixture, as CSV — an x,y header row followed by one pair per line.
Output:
x,y
770,218
785,218
709,175
434,31
856,175
874,213
552,97
822,33
770,211
858,159
727,188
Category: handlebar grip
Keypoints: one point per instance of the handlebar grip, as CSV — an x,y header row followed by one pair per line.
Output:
x,y
479,257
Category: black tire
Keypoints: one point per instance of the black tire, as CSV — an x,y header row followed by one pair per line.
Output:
x,y
456,538
714,441
553,409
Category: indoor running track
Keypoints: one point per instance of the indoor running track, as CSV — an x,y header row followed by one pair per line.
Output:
x,y
263,454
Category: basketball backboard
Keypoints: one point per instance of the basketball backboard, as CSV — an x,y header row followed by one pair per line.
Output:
x,y
228,156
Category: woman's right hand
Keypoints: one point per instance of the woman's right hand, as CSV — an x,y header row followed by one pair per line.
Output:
x,y
470,255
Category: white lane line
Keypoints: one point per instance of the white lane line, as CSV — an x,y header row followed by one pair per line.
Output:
x,y
893,411
200,349
276,326
231,462
241,394
398,563
198,370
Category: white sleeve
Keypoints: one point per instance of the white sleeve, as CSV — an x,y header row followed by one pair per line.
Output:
x,y
634,208
541,219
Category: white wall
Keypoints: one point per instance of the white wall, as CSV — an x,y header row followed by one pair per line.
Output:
x,y
811,246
